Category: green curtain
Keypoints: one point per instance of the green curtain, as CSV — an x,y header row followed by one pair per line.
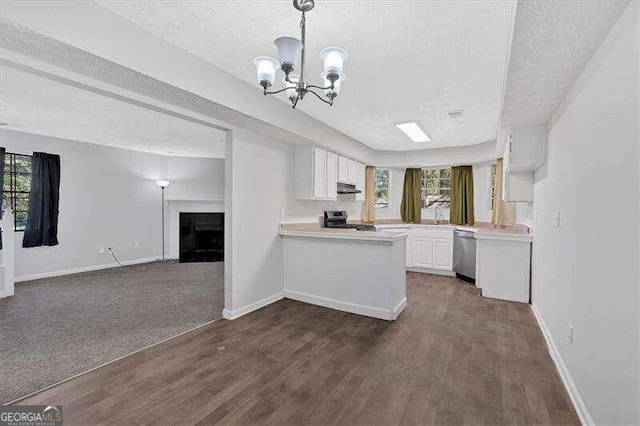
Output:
x,y
461,212
411,208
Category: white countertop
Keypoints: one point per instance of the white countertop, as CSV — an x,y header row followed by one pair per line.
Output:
x,y
481,233
346,234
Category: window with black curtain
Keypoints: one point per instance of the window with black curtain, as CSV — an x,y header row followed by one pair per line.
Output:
x,y
17,186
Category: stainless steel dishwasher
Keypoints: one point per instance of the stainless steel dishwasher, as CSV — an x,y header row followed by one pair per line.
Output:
x,y
464,255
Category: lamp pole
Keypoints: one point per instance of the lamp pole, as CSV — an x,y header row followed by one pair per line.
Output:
x,y
163,187
162,184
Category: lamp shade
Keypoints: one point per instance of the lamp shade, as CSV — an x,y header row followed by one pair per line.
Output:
x,y
333,58
292,93
336,84
162,183
267,68
289,50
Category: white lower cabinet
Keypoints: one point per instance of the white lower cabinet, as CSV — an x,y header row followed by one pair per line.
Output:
x,y
422,252
428,247
409,254
443,254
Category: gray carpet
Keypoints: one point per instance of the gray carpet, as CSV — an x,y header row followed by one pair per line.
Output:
x,y
55,328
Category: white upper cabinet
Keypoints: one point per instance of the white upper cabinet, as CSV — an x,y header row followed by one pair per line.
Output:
x,y
319,174
524,152
525,149
352,172
332,176
360,180
343,169
310,173
517,187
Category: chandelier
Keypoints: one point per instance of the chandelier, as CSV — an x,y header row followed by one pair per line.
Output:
x,y
290,50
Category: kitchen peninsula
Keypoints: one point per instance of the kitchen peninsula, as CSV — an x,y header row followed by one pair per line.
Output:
x,y
362,272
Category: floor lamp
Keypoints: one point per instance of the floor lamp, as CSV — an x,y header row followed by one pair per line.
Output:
x,y
162,184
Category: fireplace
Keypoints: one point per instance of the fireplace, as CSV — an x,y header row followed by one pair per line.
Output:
x,y
201,237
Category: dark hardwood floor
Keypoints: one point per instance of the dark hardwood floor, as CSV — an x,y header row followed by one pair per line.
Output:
x,y
452,357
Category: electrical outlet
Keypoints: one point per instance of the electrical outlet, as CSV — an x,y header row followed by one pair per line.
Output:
x,y
558,220
101,250
109,249
570,333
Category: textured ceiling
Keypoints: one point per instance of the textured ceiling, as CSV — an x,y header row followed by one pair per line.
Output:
x,y
409,61
552,43
39,105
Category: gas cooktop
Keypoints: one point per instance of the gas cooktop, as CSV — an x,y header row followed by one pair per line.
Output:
x,y
337,219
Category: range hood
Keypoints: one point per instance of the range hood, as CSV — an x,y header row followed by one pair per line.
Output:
x,y
345,188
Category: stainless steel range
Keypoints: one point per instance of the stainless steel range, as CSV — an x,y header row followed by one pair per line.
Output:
x,y
338,219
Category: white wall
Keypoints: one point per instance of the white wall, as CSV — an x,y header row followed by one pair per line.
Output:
x,y
585,272
108,196
257,178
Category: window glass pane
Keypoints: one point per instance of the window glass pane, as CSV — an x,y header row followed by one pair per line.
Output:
x,y
22,202
21,219
382,188
17,184
436,188
22,183
23,164
6,186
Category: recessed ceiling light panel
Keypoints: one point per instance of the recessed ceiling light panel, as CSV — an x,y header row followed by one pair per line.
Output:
x,y
414,132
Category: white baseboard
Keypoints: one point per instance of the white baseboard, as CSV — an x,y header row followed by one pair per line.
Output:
x,y
237,313
444,272
569,384
83,269
354,308
399,308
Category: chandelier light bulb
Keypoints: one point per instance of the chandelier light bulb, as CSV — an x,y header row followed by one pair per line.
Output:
x,y
266,68
289,50
333,58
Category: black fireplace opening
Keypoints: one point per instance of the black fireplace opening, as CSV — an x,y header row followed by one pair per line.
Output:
x,y
201,237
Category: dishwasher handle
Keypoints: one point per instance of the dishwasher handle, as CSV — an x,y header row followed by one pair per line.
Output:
x,y
464,234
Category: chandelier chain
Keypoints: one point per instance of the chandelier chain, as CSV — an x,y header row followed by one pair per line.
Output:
x,y
303,25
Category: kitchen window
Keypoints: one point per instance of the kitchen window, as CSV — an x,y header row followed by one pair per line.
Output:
x,y
17,186
382,188
436,188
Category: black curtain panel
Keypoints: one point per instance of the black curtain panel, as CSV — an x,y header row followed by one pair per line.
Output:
x,y
42,219
2,153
